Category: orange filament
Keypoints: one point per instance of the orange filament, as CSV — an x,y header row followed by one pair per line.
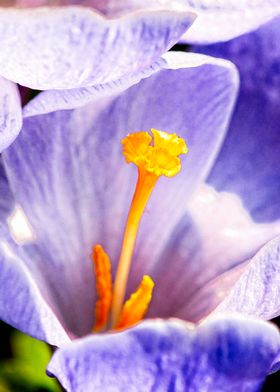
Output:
x,y
153,160
136,306
102,269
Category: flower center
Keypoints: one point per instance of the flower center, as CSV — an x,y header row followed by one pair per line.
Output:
x,y
154,156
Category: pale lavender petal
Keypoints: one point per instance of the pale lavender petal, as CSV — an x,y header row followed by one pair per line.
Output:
x,y
225,354
249,161
215,235
224,20
71,47
217,20
207,297
21,302
257,291
10,113
52,100
69,175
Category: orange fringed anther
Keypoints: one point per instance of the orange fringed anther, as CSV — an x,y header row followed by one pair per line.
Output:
x,y
102,269
136,306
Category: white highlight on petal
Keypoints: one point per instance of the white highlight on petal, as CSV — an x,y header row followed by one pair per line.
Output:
x,y
227,229
20,228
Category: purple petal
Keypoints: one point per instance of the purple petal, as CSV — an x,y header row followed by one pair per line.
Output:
x,y
6,199
225,354
10,113
216,21
228,19
249,161
69,175
21,302
215,235
276,364
257,291
52,100
61,48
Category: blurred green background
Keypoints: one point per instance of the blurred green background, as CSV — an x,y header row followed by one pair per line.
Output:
x,y
23,362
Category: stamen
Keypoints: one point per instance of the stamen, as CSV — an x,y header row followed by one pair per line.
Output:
x,y
136,306
155,160
102,269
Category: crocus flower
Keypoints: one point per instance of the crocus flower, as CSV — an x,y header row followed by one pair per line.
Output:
x,y
67,172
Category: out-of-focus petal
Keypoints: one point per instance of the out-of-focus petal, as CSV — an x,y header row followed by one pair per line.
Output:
x,y
70,177
215,235
276,364
217,20
224,20
21,302
225,354
257,291
6,197
71,47
248,164
10,113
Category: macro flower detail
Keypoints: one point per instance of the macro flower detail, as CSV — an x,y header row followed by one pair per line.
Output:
x,y
66,172
172,294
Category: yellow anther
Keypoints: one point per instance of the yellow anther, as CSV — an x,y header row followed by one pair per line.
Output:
x,y
137,305
154,157
161,158
102,269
